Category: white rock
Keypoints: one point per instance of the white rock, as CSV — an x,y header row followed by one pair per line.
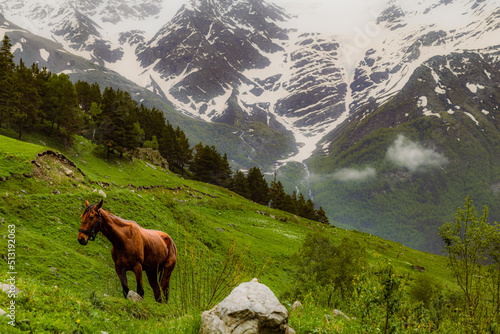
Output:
x,y
250,308
9,288
134,296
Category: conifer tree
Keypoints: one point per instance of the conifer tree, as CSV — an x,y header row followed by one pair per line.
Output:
x,y
259,189
9,96
70,119
277,194
42,77
239,184
87,94
184,151
321,216
167,143
29,101
223,170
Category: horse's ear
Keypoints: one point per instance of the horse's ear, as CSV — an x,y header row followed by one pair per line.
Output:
x,y
99,205
87,203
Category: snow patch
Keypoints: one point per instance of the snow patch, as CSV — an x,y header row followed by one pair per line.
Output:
x,y
472,117
422,102
17,46
474,87
440,90
44,54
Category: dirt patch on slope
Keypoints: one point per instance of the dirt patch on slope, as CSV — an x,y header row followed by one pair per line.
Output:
x,y
55,167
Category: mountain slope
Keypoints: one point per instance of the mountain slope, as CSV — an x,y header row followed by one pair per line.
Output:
x,y
399,170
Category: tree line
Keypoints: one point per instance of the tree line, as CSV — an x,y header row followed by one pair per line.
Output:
x,y
35,100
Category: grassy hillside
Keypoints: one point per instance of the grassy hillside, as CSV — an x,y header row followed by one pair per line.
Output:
x,y
66,287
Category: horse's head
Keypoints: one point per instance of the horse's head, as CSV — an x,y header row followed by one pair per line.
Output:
x,y
91,222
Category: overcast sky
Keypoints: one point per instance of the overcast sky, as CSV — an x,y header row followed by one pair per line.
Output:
x,y
335,16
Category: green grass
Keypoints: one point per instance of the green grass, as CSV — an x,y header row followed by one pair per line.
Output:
x,y
67,287
16,156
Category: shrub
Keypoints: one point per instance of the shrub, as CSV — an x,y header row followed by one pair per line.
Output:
x,y
326,268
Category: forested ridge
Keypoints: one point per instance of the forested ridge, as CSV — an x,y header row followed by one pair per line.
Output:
x,y
32,99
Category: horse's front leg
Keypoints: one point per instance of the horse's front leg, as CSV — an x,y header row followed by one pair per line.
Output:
x,y
138,277
122,275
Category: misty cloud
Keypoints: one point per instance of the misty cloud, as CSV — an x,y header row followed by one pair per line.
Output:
x,y
413,156
351,174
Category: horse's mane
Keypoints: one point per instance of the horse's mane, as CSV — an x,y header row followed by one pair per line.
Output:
x,y
88,209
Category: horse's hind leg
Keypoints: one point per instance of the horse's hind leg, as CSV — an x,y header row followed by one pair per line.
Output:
x,y
165,280
152,278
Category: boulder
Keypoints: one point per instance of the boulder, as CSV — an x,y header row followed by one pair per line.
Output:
x,y
338,313
9,288
251,308
134,296
297,305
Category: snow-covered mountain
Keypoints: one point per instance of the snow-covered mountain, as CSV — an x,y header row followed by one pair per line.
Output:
x,y
238,62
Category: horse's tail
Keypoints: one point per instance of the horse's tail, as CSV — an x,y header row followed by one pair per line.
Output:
x,y
172,249
172,252
165,270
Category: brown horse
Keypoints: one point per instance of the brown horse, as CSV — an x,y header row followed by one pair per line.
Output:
x,y
134,248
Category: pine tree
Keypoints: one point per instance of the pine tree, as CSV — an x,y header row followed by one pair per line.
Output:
x,y
68,104
29,101
110,131
42,77
200,164
308,211
87,94
223,170
184,151
167,142
277,194
259,189
289,204
94,113
321,216
9,97
239,184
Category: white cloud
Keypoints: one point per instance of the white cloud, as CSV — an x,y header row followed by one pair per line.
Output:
x,y
413,156
351,174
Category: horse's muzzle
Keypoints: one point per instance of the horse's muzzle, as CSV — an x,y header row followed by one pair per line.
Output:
x,y
83,241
